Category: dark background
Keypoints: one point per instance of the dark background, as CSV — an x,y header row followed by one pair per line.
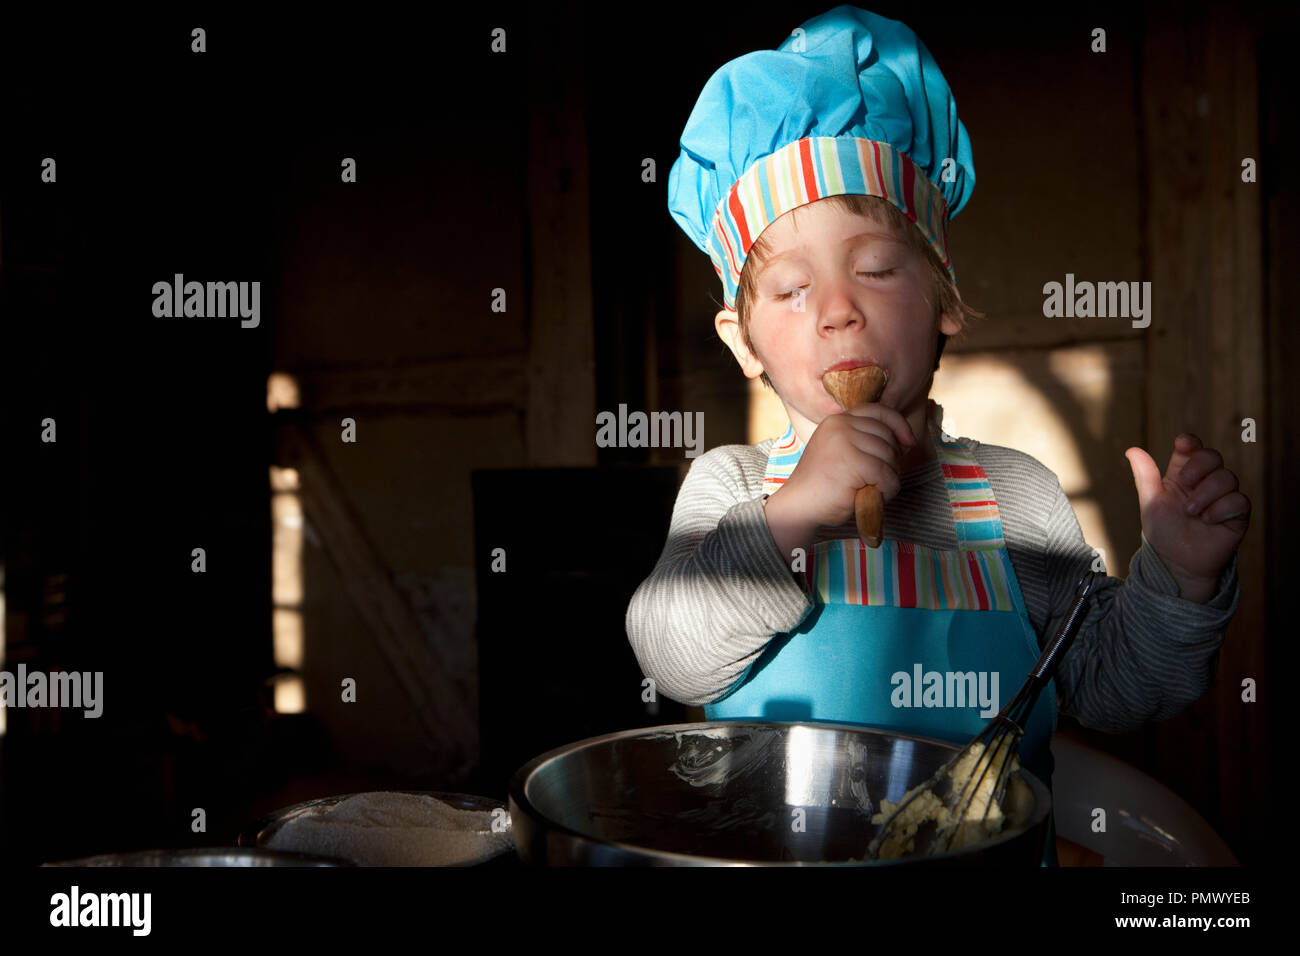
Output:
x,y
225,166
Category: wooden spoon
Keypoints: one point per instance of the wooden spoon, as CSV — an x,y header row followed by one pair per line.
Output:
x,y
852,387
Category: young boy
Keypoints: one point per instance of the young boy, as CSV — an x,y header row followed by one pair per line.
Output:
x,y
820,178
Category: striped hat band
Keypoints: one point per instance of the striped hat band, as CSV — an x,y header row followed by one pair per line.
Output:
x,y
810,169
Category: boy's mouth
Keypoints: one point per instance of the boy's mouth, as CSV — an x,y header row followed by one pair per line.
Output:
x,y
850,363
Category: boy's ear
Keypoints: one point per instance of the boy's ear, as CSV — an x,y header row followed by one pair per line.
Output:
x,y
950,322
728,325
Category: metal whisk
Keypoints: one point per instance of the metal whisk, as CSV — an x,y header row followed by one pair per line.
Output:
x,y
964,797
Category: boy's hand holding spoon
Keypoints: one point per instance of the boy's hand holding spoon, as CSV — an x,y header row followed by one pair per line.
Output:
x,y
849,467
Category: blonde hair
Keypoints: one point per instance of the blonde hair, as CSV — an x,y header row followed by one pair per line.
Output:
x,y
882,212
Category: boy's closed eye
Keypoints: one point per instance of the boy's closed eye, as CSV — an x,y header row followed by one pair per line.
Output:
x,y
884,274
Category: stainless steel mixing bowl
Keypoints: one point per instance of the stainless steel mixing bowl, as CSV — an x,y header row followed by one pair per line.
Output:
x,y
742,793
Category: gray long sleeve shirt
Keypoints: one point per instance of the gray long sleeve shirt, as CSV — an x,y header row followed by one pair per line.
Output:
x,y
721,590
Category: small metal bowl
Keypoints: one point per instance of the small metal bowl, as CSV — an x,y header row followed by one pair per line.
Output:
x,y
490,845
202,856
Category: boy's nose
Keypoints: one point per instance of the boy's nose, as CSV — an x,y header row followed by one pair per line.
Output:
x,y
839,309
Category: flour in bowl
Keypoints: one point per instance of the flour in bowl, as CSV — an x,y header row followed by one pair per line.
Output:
x,y
394,829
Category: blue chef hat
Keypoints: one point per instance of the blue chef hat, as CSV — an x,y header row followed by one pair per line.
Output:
x,y
850,103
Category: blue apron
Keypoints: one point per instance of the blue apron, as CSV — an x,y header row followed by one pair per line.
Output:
x,y
905,638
